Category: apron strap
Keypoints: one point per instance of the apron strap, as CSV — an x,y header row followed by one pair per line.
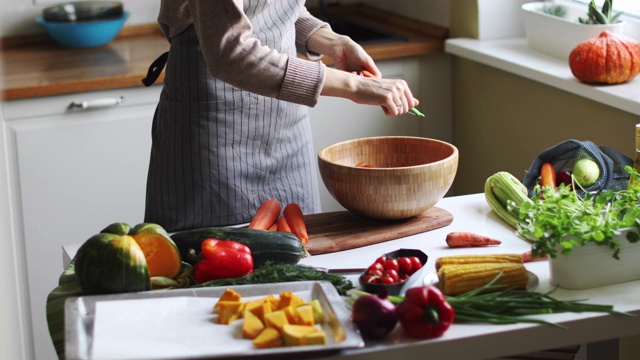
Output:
x,y
155,69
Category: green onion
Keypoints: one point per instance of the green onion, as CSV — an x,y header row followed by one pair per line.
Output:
x,y
416,112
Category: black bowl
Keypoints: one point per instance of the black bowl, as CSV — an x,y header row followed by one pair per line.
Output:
x,y
83,11
401,287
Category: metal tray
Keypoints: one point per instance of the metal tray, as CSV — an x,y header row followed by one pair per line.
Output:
x,y
341,333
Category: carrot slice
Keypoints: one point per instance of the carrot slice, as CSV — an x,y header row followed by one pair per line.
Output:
x,y
295,219
283,225
267,215
467,239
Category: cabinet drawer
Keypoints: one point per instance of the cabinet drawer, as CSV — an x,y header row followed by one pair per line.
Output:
x,y
73,103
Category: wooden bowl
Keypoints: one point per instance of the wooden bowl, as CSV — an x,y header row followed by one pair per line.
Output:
x,y
409,175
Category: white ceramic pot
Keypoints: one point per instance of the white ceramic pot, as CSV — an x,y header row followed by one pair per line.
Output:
x,y
593,266
558,36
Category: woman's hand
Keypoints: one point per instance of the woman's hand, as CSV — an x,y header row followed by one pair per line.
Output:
x,y
394,95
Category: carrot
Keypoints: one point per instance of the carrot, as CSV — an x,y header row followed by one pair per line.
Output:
x,y
467,239
283,225
364,164
367,74
273,227
293,215
266,215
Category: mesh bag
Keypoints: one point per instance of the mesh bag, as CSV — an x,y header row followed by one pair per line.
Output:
x,y
563,155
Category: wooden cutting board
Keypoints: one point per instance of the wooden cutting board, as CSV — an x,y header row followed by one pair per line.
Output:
x,y
342,230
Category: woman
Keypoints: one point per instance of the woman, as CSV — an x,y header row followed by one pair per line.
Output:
x,y
232,126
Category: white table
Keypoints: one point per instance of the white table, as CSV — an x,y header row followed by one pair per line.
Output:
x,y
477,341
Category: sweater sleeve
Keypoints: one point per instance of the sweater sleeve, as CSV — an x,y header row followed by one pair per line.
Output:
x,y
233,56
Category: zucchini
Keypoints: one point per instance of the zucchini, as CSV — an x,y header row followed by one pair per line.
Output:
x,y
274,246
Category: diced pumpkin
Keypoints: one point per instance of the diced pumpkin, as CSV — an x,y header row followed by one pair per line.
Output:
x,y
318,314
288,298
293,335
290,312
162,254
251,326
259,308
273,300
268,338
276,319
228,295
229,311
315,338
304,315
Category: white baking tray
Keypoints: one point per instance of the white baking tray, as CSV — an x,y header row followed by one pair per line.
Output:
x,y
80,318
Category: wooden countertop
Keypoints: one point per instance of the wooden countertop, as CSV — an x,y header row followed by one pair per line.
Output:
x,y
35,66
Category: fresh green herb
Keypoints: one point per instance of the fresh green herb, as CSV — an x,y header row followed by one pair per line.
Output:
x,y
604,16
506,305
554,10
416,112
560,218
273,273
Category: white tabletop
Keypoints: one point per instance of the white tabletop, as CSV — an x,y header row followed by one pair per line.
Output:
x,y
478,341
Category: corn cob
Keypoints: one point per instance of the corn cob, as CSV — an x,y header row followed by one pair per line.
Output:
x,y
459,279
502,188
478,259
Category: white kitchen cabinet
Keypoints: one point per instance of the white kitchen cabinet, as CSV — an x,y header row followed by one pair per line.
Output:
x,y
73,171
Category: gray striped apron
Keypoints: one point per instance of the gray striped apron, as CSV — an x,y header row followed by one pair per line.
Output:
x,y
218,151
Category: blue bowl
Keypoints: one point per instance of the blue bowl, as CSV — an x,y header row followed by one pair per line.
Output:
x,y
84,34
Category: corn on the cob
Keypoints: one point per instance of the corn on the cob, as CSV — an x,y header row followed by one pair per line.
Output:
x,y
501,188
478,259
459,279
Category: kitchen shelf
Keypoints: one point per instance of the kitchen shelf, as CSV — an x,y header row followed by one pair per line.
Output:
x,y
513,55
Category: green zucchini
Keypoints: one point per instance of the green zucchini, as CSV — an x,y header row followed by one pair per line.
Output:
x,y
274,246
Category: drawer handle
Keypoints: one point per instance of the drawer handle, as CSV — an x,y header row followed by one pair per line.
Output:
x,y
98,103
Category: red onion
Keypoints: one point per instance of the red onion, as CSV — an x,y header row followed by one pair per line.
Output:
x,y
374,315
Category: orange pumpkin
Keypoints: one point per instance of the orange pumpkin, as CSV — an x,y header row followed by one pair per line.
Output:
x,y
608,59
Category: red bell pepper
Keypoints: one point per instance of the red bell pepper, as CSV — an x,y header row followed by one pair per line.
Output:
x,y
223,259
425,313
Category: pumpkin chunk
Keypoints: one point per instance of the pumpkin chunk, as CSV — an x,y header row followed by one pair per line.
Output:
x,y
229,311
259,308
228,295
252,326
315,338
268,338
288,298
318,314
293,335
304,315
276,319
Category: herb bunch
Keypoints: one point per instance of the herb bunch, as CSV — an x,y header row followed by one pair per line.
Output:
x,y
561,217
273,273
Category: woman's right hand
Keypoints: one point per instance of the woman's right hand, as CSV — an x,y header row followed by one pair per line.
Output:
x,y
394,95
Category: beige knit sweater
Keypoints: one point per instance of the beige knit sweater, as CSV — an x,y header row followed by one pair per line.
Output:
x,y
233,56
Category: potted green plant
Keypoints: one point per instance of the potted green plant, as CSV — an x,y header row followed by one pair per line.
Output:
x,y
592,240
557,29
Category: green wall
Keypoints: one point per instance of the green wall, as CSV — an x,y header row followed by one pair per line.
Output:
x,y
502,121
